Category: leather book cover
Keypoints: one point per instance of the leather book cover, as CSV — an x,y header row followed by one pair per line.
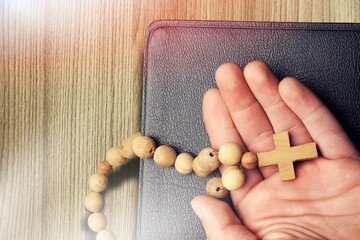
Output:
x,y
180,58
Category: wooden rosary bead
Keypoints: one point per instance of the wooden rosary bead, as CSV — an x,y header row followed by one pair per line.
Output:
x,y
198,170
105,235
97,221
94,202
215,188
208,159
183,163
230,154
126,146
114,157
104,167
144,147
98,182
126,149
165,156
249,160
233,178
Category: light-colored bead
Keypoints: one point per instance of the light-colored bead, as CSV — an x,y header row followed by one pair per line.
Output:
x,y
198,170
144,146
98,182
230,154
249,160
126,146
165,156
94,202
183,163
105,235
208,159
114,157
104,167
97,221
215,188
233,178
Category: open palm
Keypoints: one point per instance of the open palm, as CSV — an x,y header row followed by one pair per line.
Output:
x,y
321,203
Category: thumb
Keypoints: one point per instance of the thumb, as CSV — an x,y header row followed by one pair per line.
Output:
x,y
218,220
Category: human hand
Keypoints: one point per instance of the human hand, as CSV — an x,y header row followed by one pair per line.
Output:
x,y
323,202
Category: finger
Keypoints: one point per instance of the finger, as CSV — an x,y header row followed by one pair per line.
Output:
x,y
221,129
264,85
217,120
218,220
326,131
247,114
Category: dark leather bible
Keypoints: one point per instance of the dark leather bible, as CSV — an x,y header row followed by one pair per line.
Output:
x,y
180,58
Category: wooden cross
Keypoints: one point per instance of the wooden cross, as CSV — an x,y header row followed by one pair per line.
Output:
x,y
284,155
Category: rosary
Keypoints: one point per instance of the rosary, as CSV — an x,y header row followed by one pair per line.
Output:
x,y
207,161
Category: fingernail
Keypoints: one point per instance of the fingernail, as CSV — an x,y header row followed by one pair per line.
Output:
x,y
196,209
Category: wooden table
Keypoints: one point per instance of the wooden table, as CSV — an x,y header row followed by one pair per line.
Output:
x,y
70,88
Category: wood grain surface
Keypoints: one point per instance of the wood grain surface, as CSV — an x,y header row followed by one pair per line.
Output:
x,y
70,88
